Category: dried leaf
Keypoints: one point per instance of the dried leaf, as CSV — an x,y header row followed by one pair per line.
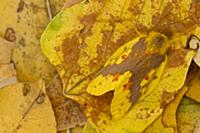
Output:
x,y
27,20
68,113
188,114
26,108
194,87
158,127
5,51
197,127
169,113
152,95
87,34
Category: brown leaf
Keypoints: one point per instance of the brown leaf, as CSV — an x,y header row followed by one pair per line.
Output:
x,y
68,112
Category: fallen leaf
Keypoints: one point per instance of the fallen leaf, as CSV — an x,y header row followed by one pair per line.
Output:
x,y
23,27
7,75
155,94
169,113
197,127
194,90
158,127
94,30
68,112
188,114
5,51
88,128
25,108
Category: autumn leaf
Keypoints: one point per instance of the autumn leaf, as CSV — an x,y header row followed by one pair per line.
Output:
x,y
68,112
31,112
158,127
87,36
152,95
193,91
187,115
169,113
23,28
7,70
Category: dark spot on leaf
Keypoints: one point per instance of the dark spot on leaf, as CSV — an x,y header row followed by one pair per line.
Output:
x,y
26,89
176,57
71,52
10,34
20,6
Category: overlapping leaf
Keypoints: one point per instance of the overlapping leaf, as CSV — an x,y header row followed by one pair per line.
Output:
x,y
81,39
31,111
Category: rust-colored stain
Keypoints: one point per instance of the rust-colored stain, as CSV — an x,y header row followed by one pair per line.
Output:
x,y
71,52
166,98
116,77
176,57
20,6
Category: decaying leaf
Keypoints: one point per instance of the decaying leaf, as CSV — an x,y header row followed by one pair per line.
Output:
x,y
5,51
88,128
169,113
197,127
68,113
27,20
194,87
7,75
7,70
141,77
25,108
87,33
152,96
188,114
158,127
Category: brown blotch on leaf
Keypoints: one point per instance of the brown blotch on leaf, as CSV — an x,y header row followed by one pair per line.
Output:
x,y
10,34
68,113
166,98
168,23
26,89
20,6
176,57
71,52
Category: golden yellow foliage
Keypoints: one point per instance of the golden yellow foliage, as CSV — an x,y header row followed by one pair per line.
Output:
x,y
158,127
89,32
169,113
193,91
25,108
130,54
23,27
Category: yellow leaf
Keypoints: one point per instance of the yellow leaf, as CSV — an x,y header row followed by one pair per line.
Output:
x,y
88,128
25,108
158,127
169,113
89,32
193,90
155,94
5,51
22,24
